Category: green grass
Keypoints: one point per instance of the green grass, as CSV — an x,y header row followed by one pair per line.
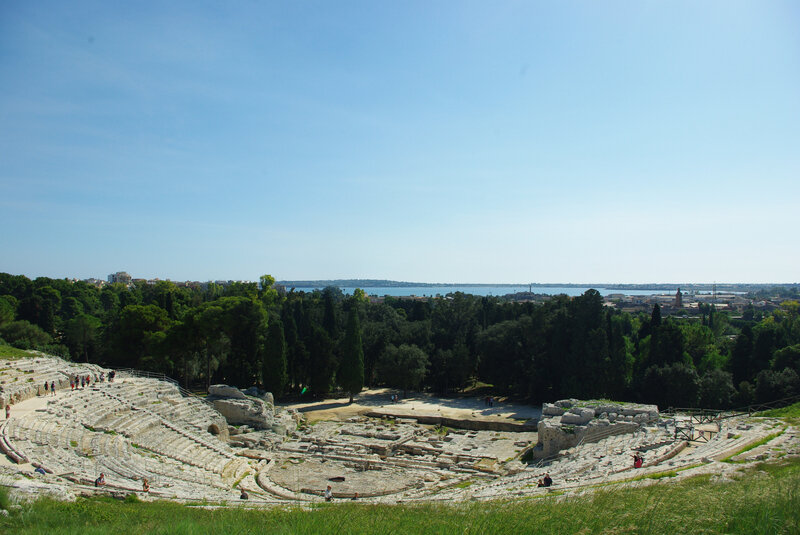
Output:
x,y
762,499
11,353
752,445
656,475
792,411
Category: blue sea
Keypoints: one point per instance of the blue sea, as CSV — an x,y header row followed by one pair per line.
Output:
x,y
433,291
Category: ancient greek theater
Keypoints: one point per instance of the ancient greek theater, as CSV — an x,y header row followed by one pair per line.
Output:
x,y
234,444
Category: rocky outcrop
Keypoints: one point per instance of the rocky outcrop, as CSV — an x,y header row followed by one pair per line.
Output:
x,y
251,408
567,423
225,391
238,409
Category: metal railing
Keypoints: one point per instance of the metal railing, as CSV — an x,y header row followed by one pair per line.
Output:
x,y
709,415
160,376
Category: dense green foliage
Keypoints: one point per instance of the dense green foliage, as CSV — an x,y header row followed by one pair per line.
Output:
x,y
762,500
351,369
250,333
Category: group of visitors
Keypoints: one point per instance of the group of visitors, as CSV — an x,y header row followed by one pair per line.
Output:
x,y
488,401
111,376
50,388
546,481
81,381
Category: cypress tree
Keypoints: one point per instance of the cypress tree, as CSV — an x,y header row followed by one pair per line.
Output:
x,y
351,370
273,366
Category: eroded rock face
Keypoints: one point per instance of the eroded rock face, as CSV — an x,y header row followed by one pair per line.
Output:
x,y
225,391
239,409
252,412
551,409
256,411
578,416
567,422
26,491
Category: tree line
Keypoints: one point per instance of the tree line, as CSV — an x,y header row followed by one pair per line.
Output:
x,y
313,343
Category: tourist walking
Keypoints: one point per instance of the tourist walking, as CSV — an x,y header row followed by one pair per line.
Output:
x,y
8,411
53,387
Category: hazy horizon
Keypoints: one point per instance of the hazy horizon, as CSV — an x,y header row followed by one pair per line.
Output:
x,y
428,283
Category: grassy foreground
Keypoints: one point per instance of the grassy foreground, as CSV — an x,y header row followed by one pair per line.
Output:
x,y
764,499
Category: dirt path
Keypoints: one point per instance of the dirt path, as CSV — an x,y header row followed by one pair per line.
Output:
x,y
20,409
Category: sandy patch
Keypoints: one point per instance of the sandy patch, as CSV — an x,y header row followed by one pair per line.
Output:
x,y
417,403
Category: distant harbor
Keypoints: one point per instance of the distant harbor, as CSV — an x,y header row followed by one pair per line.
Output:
x,y
488,290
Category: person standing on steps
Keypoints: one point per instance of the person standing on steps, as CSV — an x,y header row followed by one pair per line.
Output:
x,y
328,494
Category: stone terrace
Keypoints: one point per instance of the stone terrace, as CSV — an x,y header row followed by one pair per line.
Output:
x,y
139,428
129,430
25,378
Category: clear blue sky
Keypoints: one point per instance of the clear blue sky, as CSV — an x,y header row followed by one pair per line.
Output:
x,y
639,141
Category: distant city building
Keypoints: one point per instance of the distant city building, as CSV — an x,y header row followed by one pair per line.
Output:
x,y
678,299
120,276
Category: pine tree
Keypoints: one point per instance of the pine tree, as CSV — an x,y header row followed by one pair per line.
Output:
x,y
351,370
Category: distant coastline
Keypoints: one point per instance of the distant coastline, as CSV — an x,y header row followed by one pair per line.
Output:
x,y
658,287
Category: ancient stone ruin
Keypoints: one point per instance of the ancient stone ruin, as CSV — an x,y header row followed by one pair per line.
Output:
x,y
192,449
569,422
252,419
